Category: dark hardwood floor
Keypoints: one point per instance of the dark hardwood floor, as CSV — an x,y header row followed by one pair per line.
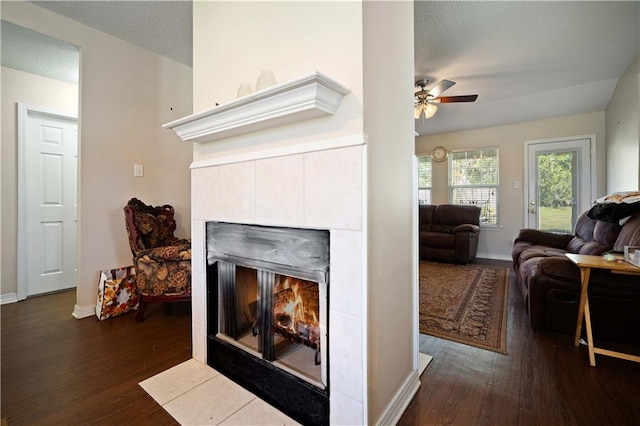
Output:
x,y
544,380
56,370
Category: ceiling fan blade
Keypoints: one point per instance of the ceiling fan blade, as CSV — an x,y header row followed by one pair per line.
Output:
x,y
464,98
440,87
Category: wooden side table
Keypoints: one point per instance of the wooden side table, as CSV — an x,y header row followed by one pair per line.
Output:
x,y
586,263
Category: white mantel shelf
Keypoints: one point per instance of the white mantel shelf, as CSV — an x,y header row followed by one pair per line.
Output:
x,y
306,97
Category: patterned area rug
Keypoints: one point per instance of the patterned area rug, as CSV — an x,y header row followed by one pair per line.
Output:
x,y
465,303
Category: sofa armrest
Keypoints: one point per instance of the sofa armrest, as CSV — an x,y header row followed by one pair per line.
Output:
x,y
544,238
466,227
560,268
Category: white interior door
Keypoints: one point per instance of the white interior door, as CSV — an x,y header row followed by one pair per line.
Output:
x,y
559,183
49,190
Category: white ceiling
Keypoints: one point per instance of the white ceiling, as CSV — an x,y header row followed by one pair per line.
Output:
x,y
162,26
525,60
27,50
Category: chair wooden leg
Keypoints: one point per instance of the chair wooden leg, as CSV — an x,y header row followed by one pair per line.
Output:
x,y
142,306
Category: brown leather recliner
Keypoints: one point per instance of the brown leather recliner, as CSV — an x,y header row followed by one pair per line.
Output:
x,y
449,232
550,283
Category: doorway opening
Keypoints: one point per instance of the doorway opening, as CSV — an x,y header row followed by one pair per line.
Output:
x,y
47,201
47,104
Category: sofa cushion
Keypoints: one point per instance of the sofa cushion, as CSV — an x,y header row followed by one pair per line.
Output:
x,y
518,248
448,216
453,214
629,234
593,236
535,252
155,230
147,224
425,217
584,228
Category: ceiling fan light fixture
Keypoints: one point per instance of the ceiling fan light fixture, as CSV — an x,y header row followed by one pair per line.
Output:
x,y
426,108
430,109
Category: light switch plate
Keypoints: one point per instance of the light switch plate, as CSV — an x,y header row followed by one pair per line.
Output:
x,y
138,170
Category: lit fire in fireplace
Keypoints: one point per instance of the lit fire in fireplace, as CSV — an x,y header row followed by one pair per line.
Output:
x,y
267,313
295,310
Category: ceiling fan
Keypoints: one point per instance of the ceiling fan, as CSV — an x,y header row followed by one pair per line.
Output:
x,y
426,101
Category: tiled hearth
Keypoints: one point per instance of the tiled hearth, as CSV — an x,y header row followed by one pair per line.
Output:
x,y
196,394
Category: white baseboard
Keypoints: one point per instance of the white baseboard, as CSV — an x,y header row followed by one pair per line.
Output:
x,y
80,312
8,298
401,400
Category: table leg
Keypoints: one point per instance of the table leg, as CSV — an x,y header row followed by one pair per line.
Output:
x,y
587,324
584,278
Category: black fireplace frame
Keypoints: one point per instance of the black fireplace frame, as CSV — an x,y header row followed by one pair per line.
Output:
x,y
299,399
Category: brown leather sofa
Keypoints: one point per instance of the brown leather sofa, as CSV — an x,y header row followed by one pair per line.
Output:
x,y
448,232
550,282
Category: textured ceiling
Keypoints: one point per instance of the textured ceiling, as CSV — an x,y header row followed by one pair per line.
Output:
x,y
36,53
164,27
525,60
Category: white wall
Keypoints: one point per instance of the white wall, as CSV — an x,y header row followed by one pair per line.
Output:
x,y
237,40
126,94
234,42
497,243
623,132
388,123
19,86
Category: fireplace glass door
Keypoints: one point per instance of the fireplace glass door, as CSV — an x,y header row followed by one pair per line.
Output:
x,y
276,317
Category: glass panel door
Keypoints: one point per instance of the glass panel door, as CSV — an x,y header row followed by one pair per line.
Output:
x,y
559,182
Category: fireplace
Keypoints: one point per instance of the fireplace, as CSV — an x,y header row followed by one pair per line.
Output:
x,y
267,314
312,180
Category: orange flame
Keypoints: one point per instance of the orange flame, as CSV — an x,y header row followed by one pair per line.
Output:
x,y
295,309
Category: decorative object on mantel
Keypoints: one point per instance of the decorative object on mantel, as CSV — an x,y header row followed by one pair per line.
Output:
x,y
243,90
310,96
266,79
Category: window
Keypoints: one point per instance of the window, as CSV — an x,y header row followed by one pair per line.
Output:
x,y
424,180
473,179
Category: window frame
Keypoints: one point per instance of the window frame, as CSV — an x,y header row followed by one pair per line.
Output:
x,y
426,188
494,189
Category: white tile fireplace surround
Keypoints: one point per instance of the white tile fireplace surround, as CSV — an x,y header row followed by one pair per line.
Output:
x,y
315,185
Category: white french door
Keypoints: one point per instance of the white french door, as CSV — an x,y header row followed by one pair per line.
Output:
x,y
48,226
559,182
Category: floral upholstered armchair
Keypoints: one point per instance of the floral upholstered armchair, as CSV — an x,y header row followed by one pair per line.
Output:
x,y
162,261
